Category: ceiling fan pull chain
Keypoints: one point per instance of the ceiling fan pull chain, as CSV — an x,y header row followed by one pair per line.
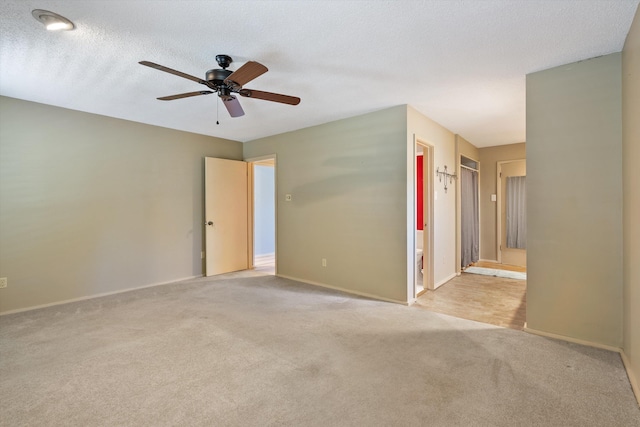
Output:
x,y
217,110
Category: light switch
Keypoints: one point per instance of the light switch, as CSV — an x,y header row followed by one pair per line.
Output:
x,y
435,195
493,198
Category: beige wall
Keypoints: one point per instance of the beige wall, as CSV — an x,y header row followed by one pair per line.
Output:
x,y
574,200
117,205
91,204
352,186
444,216
348,183
489,158
631,186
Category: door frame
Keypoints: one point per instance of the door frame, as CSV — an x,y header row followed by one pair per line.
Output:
x,y
252,161
459,208
428,217
499,218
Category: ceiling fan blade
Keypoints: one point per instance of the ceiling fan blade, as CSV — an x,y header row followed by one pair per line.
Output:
x,y
246,73
185,95
233,106
172,71
268,96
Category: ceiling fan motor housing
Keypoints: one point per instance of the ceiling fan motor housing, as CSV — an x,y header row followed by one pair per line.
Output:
x,y
217,76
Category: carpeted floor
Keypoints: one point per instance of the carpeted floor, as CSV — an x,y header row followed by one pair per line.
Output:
x,y
247,349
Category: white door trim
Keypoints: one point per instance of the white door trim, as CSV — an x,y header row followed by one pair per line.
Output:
x,y
266,159
428,279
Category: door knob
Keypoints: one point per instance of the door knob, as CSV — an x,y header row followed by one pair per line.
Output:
x,y
209,223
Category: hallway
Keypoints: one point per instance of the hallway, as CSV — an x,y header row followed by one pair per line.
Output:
x,y
488,299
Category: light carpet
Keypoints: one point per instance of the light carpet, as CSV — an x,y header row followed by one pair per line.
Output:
x,y
496,272
250,350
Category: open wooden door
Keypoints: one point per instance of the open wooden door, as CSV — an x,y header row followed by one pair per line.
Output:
x,y
226,216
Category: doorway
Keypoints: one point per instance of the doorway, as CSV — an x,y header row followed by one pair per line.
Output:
x,y
512,213
487,296
240,216
469,212
263,202
423,226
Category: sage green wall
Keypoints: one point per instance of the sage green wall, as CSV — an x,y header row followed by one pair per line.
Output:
x,y
348,183
574,200
489,158
92,205
631,186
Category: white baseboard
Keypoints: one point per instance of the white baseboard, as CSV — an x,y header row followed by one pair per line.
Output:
x,y
490,260
570,339
635,384
349,291
445,280
104,294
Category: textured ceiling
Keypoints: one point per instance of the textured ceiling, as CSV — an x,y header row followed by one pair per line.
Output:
x,y
460,62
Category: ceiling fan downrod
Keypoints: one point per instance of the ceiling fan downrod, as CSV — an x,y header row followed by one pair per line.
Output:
x,y
224,61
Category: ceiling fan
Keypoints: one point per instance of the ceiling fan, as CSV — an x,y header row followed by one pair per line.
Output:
x,y
225,83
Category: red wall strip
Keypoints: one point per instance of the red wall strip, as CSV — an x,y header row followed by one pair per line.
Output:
x,y
420,194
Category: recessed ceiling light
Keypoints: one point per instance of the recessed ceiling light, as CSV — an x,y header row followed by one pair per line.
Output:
x,y
52,21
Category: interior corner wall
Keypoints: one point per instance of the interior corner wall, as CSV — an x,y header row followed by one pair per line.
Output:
x,y
574,200
631,197
443,141
92,205
348,185
489,158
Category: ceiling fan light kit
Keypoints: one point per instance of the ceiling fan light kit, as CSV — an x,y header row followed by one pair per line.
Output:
x,y
53,21
225,83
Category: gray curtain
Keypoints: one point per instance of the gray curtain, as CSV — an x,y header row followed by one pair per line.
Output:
x,y
516,212
470,234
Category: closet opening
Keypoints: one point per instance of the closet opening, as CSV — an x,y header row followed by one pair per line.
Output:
x,y
469,212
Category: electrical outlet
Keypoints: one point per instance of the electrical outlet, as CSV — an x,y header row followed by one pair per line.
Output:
x,y
3,282
324,262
